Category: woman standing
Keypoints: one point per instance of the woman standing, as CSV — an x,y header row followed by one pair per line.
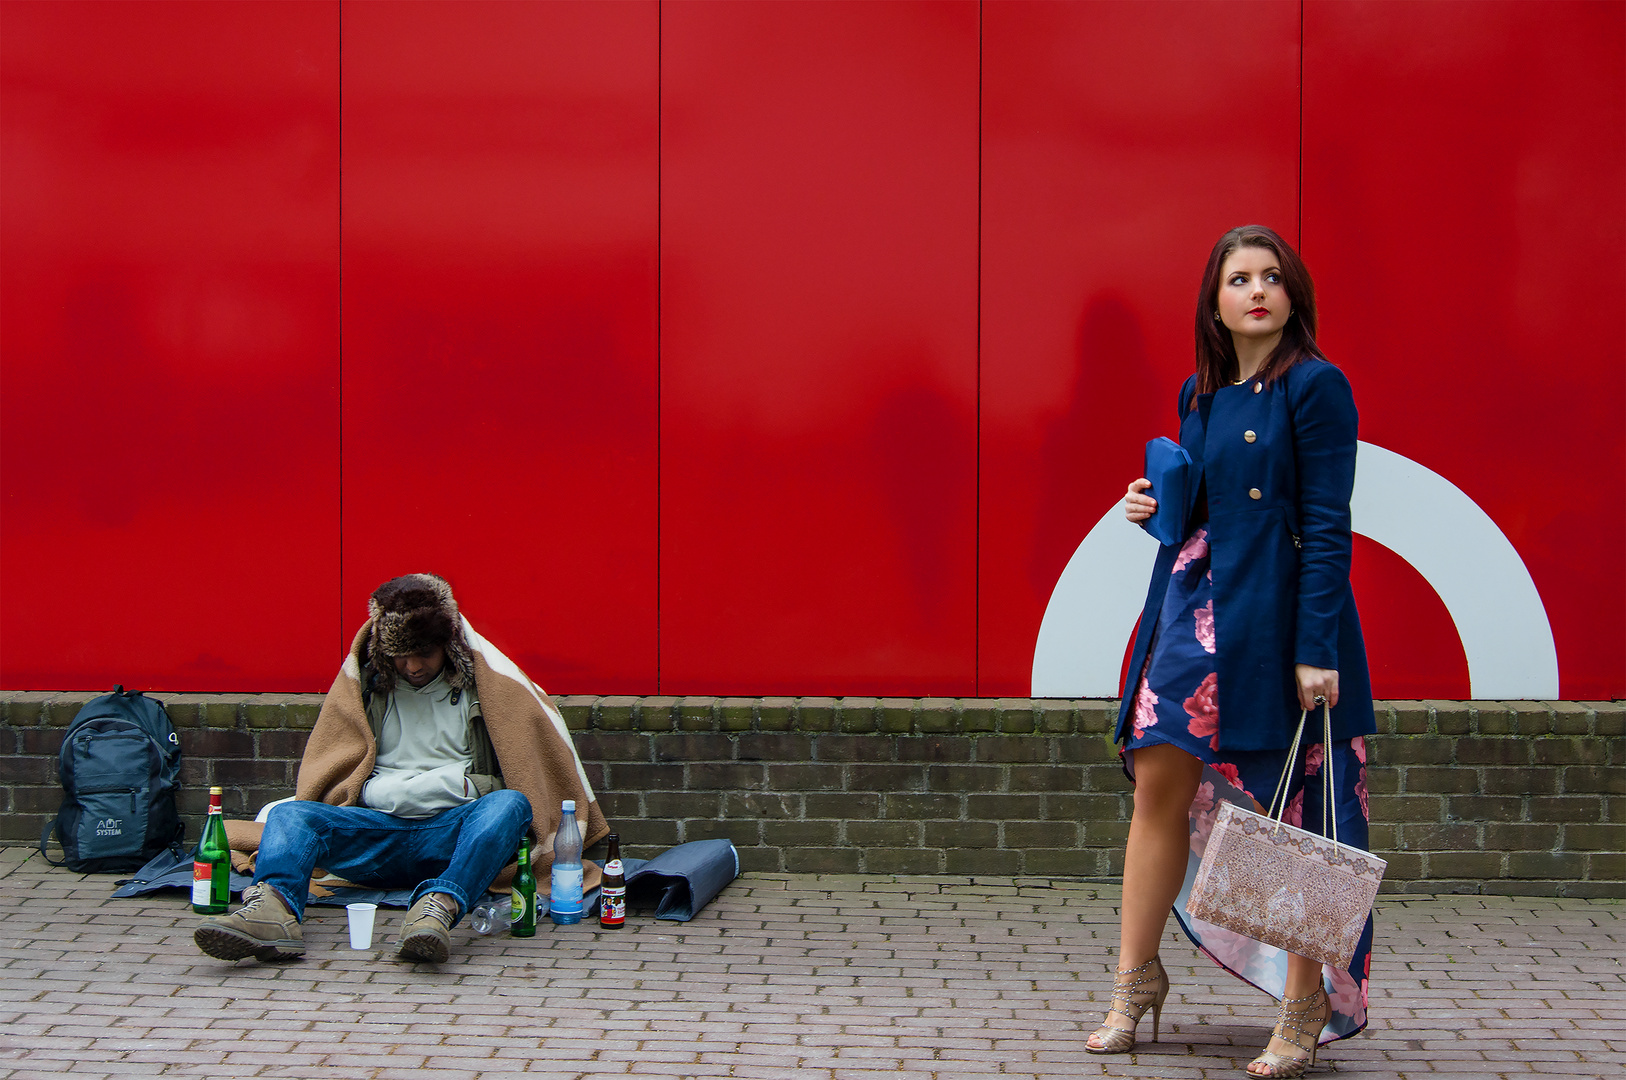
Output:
x,y
1247,622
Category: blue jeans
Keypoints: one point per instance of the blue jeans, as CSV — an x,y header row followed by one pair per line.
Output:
x,y
458,851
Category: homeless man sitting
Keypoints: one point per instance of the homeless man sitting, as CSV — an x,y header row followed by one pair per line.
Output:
x,y
421,771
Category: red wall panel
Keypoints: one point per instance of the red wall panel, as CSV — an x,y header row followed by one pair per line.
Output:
x,y
1464,208
169,304
760,348
500,181
818,325
1119,142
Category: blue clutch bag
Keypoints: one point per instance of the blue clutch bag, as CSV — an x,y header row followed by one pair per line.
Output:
x,y
1168,467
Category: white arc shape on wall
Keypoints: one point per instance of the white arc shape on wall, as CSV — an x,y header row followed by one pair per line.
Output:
x,y
1411,510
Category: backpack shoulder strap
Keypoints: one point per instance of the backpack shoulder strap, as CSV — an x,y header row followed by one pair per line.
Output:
x,y
45,837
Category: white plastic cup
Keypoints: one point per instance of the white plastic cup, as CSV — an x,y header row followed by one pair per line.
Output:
x,y
361,924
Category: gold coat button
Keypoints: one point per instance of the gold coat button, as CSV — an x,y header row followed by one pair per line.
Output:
x,y
1258,387
1249,436
1255,493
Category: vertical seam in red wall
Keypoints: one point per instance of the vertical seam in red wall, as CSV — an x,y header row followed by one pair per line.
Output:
x,y
339,604
660,300
1300,192
976,556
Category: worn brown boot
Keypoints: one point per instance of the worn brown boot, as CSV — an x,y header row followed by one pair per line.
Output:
x,y
424,934
263,928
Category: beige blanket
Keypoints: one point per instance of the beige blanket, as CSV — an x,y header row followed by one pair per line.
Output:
x,y
534,751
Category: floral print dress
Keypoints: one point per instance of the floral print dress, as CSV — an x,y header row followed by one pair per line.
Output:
x,y
1176,703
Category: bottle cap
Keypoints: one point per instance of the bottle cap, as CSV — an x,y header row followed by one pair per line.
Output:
x,y
217,791
569,806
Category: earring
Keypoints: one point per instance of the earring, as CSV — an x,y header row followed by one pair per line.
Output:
x,y
1216,315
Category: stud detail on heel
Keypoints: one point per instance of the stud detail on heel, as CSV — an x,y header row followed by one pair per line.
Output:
x,y
1133,992
1299,1023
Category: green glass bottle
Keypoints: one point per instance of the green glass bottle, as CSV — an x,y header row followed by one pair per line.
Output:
x,y
523,911
211,865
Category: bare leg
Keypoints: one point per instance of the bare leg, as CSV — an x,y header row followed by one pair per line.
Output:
x,y
1303,975
1166,780
1155,858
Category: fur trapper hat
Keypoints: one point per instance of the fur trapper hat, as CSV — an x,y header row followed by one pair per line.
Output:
x,y
412,613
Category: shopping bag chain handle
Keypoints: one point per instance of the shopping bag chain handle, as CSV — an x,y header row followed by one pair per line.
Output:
x,y
1276,811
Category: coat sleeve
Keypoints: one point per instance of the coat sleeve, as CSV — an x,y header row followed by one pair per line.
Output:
x,y
1324,437
1182,400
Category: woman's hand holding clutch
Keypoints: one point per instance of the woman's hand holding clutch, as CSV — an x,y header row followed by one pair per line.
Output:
x,y
1139,506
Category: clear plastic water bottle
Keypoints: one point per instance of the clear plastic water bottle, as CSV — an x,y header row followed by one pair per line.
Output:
x,y
565,896
490,915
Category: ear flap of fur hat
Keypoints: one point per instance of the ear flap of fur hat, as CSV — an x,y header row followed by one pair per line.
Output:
x,y
412,613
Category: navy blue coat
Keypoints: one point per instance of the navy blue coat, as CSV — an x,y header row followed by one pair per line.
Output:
x,y
1279,537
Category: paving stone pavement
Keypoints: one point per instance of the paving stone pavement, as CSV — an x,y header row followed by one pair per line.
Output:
x,y
820,976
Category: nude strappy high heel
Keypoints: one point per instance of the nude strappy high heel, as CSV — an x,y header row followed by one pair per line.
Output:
x,y
1299,1023
1133,992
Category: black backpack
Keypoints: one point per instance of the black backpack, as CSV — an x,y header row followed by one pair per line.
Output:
x,y
120,765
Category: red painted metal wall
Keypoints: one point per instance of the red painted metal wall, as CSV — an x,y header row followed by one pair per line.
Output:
x,y
759,348
169,345
1116,149
818,348
1463,212
500,195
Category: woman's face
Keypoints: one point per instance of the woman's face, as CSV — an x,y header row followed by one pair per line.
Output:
x,y
1252,301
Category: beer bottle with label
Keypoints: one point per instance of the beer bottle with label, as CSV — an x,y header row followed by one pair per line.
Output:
x,y
211,864
612,894
522,907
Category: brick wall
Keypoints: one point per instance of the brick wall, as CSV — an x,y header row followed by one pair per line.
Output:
x,y
1499,797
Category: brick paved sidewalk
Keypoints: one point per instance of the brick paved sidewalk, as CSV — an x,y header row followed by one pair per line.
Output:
x,y
836,977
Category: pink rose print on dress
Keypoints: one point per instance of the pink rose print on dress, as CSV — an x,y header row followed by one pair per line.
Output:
x,y
1205,627
1232,777
1294,814
1203,708
1191,550
1346,994
1313,759
1203,808
1202,827
1227,948
1145,708
1358,744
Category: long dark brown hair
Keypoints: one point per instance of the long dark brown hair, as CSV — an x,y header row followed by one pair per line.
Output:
x,y
1217,364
